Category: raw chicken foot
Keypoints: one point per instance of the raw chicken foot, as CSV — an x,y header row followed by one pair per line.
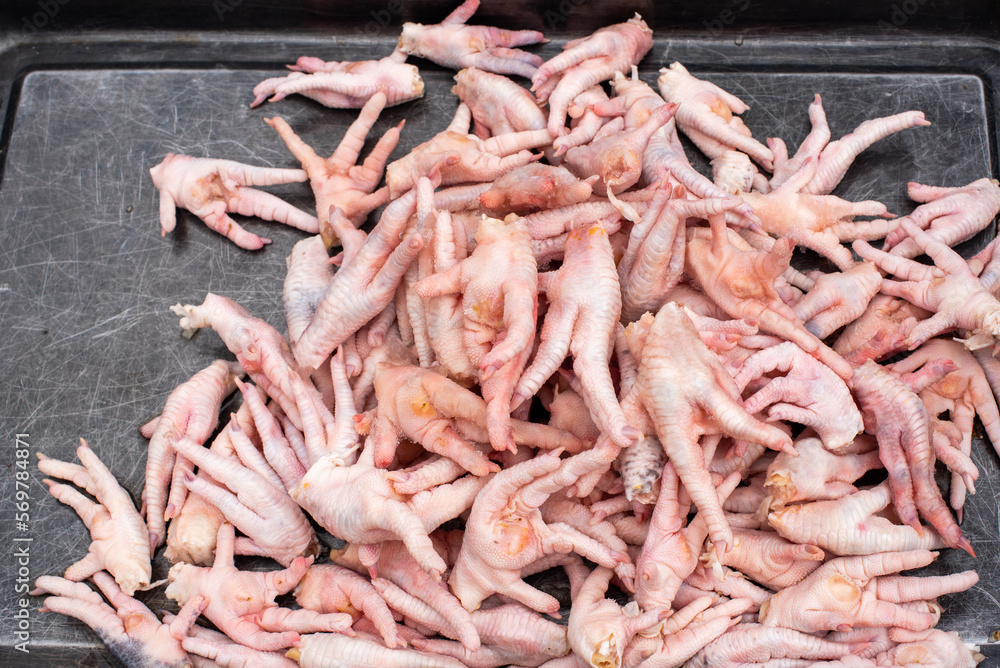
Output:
x,y
862,591
210,189
337,181
262,352
364,286
949,289
688,393
328,589
670,552
584,306
599,629
838,298
705,113
950,215
453,44
120,541
834,158
358,504
851,525
241,603
588,61
741,282
505,531
810,393
347,84
132,633
807,220
256,501
499,287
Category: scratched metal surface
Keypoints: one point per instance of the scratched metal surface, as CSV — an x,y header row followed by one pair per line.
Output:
x,y
90,349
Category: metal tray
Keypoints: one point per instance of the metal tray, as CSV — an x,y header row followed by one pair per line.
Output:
x,y
90,348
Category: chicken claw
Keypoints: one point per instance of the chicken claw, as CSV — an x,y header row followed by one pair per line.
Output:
x,y
358,504
406,399
772,561
834,158
241,603
464,158
324,650
364,286
688,393
588,61
808,394
617,159
505,531
256,500
212,188
862,591
599,628
754,645
817,474
818,222
901,424
345,85
327,588
670,552
963,393
851,525
263,353
584,306
499,287
705,113
337,181
132,633
395,564
498,105
453,44
741,282
838,298
950,215
949,289
121,542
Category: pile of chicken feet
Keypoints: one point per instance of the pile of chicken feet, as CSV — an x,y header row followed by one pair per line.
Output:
x,y
708,410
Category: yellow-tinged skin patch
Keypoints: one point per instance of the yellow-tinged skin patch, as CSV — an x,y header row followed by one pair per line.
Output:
x,y
422,407
913,655
747,289
842,589
951,386
130,622
513,536
721,109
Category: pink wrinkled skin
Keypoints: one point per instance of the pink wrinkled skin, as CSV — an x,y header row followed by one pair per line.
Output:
x,y
561,345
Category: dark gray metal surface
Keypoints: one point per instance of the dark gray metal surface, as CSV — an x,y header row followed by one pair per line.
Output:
x,y
89,346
